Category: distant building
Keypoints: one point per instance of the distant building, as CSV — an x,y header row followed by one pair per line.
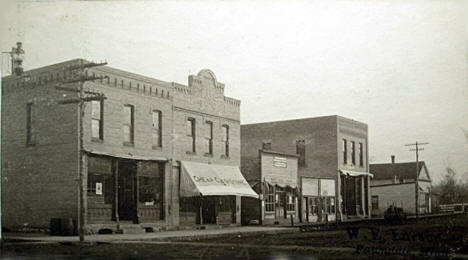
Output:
x,y
158,154
279,188
333,176
394,184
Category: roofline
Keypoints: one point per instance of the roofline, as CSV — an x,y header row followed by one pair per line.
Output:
x,y
278,153
395,163
289,120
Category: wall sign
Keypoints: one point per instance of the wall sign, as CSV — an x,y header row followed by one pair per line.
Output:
x,y
280,162
99,188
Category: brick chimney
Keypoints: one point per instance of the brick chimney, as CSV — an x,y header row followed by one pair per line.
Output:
x,y
393,159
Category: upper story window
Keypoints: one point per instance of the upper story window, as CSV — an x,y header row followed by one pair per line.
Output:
x,y
361,155
97,114
128,125
225,139
191,134
156,134
345,152
375,202
30,140
300,150
209,137
353,153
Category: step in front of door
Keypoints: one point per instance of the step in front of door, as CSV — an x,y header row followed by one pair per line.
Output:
x,y
132,229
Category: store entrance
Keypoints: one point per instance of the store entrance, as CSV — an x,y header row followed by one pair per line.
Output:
x,y
127,190
209,210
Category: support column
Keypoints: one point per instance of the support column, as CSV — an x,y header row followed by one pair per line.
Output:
x,y
339,198
172,181
116,192
238,210
363,196
369,204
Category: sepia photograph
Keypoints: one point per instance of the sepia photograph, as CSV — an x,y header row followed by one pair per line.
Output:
x,y
214,129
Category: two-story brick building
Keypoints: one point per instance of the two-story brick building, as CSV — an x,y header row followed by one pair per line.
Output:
x,y
148,146
332,174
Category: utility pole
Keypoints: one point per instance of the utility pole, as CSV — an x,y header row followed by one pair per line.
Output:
x,y
80,101
416,183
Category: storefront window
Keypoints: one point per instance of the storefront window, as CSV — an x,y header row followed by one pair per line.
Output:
x,y
270,199
290,201
100,185
100,181
313,209
332,205
151,185
150,190
225,203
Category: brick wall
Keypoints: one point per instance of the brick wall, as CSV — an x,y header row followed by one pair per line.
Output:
x,y
34,177
320,144
203,100
144,102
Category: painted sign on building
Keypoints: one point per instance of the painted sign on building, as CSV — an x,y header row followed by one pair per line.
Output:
x,y
279,170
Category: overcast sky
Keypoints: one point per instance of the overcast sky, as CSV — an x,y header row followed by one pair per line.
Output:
x,y
399,66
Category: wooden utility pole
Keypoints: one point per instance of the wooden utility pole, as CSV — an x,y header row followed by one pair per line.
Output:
x,y
416,183
80,101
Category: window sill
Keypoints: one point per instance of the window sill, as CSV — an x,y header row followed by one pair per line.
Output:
x,y
208,155
30,144
128,144
225,157
191,153
97,140
156,147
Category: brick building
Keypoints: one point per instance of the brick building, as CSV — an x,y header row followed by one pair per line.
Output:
x,y
394,185
333,174
147,144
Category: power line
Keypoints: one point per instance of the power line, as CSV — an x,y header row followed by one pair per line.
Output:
x,y
80,101
416,191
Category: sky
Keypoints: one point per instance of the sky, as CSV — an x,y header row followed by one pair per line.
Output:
x,y
399,66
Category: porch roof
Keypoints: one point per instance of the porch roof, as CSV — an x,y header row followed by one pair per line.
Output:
x,y
355,173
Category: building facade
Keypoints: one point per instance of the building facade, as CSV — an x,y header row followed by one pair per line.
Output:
x,y
394,185
277,187
333,177
136,143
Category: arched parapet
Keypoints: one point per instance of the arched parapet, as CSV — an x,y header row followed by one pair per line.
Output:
x,y
208,74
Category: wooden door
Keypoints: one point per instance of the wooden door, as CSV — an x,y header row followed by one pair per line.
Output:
x,y
127,190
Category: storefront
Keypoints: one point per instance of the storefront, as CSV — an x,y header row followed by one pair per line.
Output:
x,y
354,193
125,191
318,199
211,194
277,188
